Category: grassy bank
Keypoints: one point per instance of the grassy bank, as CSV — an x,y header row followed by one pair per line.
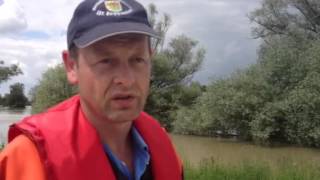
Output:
x,y
252,171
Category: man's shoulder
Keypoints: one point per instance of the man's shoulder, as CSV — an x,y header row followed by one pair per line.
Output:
x,y
20,144
49,120
21,155
66,104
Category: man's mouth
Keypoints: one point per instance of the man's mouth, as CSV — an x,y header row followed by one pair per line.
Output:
x,y
123,101
123,97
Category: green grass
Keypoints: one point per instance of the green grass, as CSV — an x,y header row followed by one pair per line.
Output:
x,y
209,170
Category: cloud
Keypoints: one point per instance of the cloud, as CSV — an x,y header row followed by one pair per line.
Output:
x,y
38,34
32,56
220,26
50,17
12,17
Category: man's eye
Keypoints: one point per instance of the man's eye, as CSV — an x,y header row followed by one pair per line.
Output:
x,y
140,60
106,61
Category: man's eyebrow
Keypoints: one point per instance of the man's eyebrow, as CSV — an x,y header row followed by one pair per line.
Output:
x,y
102,51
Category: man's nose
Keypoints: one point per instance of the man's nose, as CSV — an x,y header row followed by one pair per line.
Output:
x,y
124,75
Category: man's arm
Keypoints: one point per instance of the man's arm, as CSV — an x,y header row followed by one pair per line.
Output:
x,y
20,161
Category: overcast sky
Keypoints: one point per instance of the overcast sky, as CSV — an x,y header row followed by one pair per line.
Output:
x,y
33,34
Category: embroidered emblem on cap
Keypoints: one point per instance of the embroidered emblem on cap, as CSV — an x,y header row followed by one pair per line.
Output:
x,y
112,8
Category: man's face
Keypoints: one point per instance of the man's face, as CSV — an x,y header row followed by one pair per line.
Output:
x,y
113,77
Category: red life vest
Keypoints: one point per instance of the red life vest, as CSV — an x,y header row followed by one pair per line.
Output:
x,y
70,148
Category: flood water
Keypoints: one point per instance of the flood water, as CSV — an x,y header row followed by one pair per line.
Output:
x,y
230,152
197,149
9,116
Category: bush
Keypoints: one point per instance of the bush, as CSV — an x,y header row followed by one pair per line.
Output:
x,y
52,89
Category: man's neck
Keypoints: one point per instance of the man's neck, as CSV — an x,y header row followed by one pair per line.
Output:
x,y
116,135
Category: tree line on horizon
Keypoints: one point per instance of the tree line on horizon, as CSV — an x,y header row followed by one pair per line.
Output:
x,y
16,97
277,99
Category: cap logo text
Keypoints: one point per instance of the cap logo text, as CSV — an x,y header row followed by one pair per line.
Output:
x,y
111,8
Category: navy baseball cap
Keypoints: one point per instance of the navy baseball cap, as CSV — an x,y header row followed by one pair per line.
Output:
x,y
94,20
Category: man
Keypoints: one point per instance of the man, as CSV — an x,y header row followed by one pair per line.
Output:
x,y
101,133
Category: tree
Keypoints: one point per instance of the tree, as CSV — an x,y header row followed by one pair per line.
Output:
x,y
275,99
16,97
290,29
301,107
8,71
1,100
52,89
291,18
173,67
228,104
161,26
189,93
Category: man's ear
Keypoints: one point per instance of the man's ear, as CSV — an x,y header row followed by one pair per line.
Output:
x,y
70,66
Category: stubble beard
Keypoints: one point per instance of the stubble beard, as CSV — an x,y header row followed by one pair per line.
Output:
x,y
124,115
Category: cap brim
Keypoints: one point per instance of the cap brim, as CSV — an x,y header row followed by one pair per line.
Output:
x,y
113,29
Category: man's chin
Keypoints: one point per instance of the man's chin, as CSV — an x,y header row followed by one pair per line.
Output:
x,y
123,116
